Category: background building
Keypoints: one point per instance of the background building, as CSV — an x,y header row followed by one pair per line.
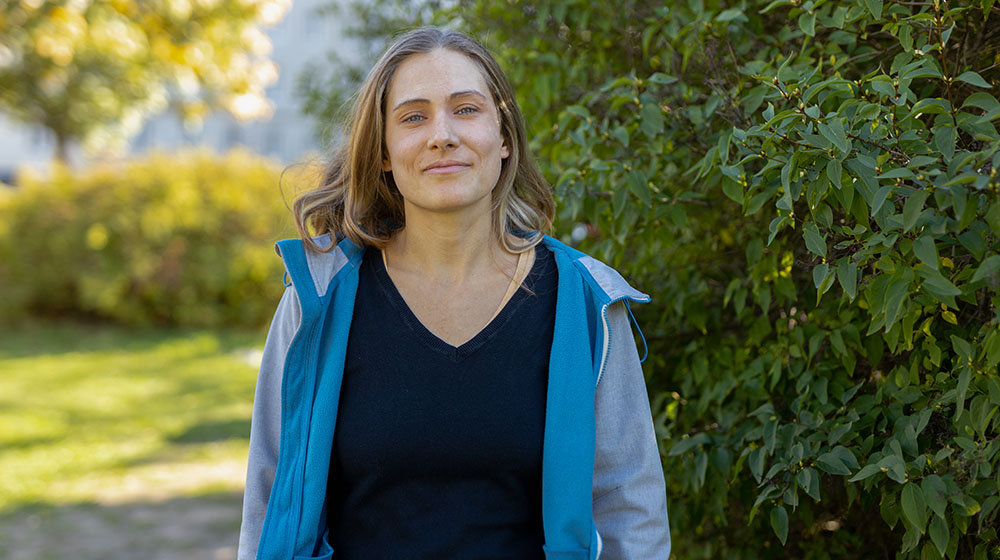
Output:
x,y
303,36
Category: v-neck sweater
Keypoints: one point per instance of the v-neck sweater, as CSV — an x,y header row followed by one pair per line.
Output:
x,y
438,449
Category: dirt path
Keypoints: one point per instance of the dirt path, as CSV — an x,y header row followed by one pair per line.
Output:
x,y
197,528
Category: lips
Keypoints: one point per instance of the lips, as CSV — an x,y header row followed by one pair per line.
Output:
x,y
445,166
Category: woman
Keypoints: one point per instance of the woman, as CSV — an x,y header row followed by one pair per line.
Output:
x,y
441,380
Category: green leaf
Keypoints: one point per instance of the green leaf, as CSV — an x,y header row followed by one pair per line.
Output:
x,y
651,121
939,286
639,186
914,508
981,100
961,390
939,534
925,250
880,197
883,85
987,268
912,207
993,217
579,111
865,472
973,78
779,522
920,161
847,275
621,134
775,227
846,456
944,141
733,190
834,172
898,173
756,461
895,468
832,463
688,443
935,493
819,274
928,106
833,130
618,200
875,7
786,177
889,508
599,165
974,242
895,295
807,23
774,5
730,14
661,78
815,241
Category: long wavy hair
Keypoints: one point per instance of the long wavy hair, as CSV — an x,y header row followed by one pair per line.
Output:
x,y
359,200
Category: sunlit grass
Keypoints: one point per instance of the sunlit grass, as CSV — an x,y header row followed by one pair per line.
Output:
x,y
106,414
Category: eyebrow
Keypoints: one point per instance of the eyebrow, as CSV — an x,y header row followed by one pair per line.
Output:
x,y
457,94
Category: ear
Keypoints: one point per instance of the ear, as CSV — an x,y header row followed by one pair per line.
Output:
x,y
386,165
504,151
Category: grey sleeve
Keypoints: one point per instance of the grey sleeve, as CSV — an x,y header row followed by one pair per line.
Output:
x,y
265,426
630,502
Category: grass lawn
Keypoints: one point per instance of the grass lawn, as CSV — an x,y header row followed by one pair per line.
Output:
x,y
102,417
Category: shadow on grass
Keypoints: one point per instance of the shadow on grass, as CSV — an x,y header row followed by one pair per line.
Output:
x,y
50,338
204,527
214,431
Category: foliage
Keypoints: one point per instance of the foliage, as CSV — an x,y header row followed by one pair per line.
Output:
x,y
326,89
809,191
112,414
183,239
92,70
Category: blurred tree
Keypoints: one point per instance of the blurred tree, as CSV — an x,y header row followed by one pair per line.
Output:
x,y
92,70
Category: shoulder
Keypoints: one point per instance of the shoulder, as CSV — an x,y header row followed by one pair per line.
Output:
x,y
606,282
320,266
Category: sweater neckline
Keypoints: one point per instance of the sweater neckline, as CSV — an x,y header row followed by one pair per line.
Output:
x,y
388,287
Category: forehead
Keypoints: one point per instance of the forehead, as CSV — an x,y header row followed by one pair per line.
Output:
x,y
435,75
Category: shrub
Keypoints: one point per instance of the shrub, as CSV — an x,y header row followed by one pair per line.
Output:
x,y
183,239
809,191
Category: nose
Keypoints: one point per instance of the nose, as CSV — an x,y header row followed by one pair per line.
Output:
x,y
442,135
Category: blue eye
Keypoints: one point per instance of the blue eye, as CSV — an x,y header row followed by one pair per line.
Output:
x,y
413,118
468,110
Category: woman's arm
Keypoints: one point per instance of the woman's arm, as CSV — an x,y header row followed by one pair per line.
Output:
x,y
630,503
265,427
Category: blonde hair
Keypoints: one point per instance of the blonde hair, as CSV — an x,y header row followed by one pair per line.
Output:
x,y
359,200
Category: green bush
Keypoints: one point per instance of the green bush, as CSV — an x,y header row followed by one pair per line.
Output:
x,y
183,239
809,191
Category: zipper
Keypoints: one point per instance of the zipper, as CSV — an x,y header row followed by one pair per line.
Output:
x,y
607,332
300,467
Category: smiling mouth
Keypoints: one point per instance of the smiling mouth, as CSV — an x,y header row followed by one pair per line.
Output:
x,y
446,167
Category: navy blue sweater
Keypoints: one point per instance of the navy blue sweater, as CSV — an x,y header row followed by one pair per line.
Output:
x,y
438,450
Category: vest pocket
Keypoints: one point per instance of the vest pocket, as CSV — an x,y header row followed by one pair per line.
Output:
x,y
566,553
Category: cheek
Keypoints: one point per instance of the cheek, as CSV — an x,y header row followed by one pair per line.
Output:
x,y
398,149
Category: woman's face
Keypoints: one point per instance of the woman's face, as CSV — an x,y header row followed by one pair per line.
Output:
x,y
442,133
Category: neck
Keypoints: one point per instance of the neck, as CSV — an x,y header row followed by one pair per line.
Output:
x,y
446,248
